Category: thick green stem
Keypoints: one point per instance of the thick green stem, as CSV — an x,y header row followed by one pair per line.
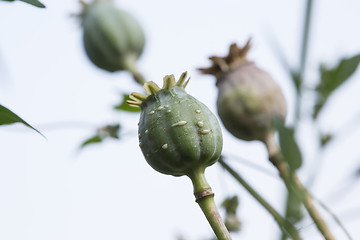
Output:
x,y
286,227
294,184
205,199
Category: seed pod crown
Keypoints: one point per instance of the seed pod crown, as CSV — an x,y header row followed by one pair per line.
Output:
x,y
151,88
220,65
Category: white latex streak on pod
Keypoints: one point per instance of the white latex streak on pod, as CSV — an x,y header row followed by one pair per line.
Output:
x,y
181,123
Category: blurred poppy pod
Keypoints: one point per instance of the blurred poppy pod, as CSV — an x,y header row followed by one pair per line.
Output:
x,y
113,39
248,98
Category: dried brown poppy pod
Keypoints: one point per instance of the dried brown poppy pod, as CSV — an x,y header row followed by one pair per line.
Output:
x,y
248,98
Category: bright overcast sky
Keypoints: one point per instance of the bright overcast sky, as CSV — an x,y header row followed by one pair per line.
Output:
x,y
51,190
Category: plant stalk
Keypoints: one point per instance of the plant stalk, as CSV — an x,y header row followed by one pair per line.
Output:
x,y
293,210
305,39
131,67
294,184
303,58
286,227
292,205
205,198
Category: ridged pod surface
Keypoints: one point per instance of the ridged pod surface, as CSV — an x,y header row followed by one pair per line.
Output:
x,y
248,98
178,134
113,39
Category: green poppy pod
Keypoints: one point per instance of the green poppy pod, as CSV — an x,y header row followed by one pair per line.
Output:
x,y
113,39
248,98
178,134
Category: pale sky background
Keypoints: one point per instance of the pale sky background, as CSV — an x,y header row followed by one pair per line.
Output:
x,y
51,190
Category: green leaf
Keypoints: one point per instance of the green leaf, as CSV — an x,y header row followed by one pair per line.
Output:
x,y
8,117
123,106
108,131
333,78
94,139
296,80
230,204
288,145
111,131
35,3
293,208
325,139
232,223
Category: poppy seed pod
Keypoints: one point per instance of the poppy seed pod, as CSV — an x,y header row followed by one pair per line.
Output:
x,y
178,134
248,98
113,39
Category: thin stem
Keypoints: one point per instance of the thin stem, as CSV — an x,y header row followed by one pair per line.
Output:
x,y
293,184
293,211
138,77
131,67
305,39
303,58
337,220
285,226
205,199
300,85
251,164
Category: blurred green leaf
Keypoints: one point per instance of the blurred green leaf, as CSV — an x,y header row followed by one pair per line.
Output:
x,y
232,223
288,145
332,78
293,208
95,139
296,80
8,117
294,213
123,106
230,204
35,3
325,139
108,131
